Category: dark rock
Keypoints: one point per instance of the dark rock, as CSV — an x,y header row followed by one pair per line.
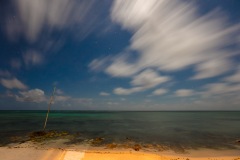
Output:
x,y
38,133
40,136
97,140
111,145
136,147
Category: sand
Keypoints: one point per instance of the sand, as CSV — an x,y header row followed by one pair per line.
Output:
x,y
34,153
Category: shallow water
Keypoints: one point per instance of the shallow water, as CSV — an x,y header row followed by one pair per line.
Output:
x,y
191,130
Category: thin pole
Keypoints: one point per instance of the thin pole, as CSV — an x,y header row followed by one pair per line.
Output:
x,y
49,105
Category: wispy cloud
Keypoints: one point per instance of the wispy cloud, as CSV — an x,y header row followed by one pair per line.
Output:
x,y
13,83
235,78
184,93
221,88
38,96
36,16
59,91
104,94
169,37
213,68
33,95
143,81
61,98
124,91
32,58
149,78
160,91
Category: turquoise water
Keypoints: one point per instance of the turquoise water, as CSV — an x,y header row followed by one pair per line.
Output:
x,y
187,129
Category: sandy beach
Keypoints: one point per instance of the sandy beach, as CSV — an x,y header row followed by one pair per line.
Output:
x,y
28,151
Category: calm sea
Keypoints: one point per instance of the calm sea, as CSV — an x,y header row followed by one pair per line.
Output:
x,y
186,129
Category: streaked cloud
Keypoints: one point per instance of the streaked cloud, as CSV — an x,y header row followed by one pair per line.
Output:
x,y
145,80
13,83
184,93
38,16
221,88
99,64
235,78
213,68
170,37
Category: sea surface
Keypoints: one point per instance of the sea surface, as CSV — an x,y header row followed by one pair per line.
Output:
x,y
193,130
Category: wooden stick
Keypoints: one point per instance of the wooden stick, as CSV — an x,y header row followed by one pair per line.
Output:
x,y
49,105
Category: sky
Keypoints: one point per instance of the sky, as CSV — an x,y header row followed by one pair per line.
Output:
x,y
120,54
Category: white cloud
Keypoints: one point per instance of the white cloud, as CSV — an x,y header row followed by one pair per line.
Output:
x,y
184,93
160,91
97,65
148,79
235,78
32,57
34,95
143,81
13,83
120,68
104,94
212,68
171,36
123,91
220,88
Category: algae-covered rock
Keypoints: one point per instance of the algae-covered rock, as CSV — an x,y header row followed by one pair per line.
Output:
x,y
111,145
150,146
96,141
40,136
137,147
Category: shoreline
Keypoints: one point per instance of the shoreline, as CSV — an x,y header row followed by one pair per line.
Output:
x,y
31,151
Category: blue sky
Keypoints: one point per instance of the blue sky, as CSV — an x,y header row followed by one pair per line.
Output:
x,y
120,55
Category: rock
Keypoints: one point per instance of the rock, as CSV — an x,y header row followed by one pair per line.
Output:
x,y
111,145
97,140
40,136
148,146
38,133
136,147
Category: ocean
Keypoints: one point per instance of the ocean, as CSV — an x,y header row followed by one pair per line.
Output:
x,y
183,129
